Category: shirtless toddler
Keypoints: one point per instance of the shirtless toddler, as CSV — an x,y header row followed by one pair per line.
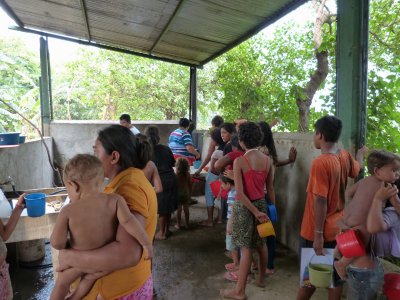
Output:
x,y
90,221
384,167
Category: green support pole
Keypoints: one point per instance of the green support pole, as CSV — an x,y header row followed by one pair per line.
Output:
x,y
45,87
352,70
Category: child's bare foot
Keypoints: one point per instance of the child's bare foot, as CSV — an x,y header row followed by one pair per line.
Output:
x,y
177,226
232,294
160,237
340,269
206,223
269,271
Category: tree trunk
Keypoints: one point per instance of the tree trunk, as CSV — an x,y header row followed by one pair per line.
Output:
x,y
304,96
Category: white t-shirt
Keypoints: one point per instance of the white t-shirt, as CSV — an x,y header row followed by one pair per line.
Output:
x,y
134,130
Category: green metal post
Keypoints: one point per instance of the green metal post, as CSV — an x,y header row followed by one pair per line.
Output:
x,y
352,70
45,87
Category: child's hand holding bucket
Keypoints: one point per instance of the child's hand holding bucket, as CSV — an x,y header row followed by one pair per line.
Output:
x,y
265,229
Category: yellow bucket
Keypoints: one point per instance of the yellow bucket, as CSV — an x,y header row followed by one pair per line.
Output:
x,y
320,275
265,229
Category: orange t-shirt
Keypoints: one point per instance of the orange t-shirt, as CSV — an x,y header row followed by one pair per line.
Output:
x,y
328,179
141,198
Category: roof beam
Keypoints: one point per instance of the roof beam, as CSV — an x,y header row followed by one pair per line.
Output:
x,y
11,13
102,46
85,18
166,28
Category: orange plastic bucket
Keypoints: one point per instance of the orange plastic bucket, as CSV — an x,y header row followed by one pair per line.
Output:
x,y
265,229
350,244
391,288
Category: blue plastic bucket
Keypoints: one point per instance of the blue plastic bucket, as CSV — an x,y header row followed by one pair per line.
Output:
x,y
35,204
197,164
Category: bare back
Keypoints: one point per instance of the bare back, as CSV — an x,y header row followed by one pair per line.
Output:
x,y
93,222
356,211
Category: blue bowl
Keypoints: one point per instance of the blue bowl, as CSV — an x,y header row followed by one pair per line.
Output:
x,y
197,164
22,139
9,138
36,204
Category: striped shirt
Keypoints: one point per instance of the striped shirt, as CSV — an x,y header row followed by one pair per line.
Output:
x,y
178,140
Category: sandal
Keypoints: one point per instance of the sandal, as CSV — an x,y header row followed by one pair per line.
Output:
x,y
231,267
231,276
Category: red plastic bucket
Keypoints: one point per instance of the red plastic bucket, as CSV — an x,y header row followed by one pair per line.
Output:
x,y
350,244
215,187
391,288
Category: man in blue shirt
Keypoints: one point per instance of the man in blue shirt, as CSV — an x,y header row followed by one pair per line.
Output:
x,y
180,141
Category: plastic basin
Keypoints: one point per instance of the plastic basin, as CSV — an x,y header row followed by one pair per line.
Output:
x,y
22,139
350,244
35,204
265,229
197,164
391,288
9,138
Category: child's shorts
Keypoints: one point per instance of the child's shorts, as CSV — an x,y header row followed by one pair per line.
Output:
x,y
5,282
229,244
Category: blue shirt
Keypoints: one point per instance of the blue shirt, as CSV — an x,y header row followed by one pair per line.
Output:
x,y
178,140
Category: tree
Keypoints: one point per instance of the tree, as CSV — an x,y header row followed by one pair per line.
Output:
x,y
19,75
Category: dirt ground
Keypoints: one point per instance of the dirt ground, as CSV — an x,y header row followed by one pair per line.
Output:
x,y
187,266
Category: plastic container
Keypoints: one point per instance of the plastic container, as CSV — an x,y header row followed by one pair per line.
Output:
x,y
215,187
35,204
320,275
272,213
391,287
22,139
9,138
350,244
265,229
197,164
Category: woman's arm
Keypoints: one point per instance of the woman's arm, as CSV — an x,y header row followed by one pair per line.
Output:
x,y
221,163
156,180
375,222
291,158
270,181
240,195
207,159
7,230
123,253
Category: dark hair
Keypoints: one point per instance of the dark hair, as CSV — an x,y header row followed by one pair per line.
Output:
x,y
330,127
153,134
121,139
268,140
235,141
380,158
125,117
192,126
225,179
182,166
184,122
229,127
216,136
217,121
250,134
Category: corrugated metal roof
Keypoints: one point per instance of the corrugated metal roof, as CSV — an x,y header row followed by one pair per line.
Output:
x,y
190,32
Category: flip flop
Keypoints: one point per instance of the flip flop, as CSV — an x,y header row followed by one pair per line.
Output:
x,y
231,267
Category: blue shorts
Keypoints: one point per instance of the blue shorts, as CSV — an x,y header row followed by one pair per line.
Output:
x,y
364,284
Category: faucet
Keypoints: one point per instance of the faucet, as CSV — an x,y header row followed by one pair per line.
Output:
x,y
9,181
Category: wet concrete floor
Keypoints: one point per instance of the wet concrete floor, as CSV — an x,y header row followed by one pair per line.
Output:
x,y
188,265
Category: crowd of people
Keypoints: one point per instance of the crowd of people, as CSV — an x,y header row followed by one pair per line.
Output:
x,y
106,253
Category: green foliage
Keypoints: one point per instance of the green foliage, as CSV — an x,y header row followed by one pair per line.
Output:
x,y
19,76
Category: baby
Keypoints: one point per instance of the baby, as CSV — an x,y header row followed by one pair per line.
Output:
x,y
384,168
90,221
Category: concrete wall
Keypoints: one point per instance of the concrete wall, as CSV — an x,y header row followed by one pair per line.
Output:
x,y
290,185
72,137
28,165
